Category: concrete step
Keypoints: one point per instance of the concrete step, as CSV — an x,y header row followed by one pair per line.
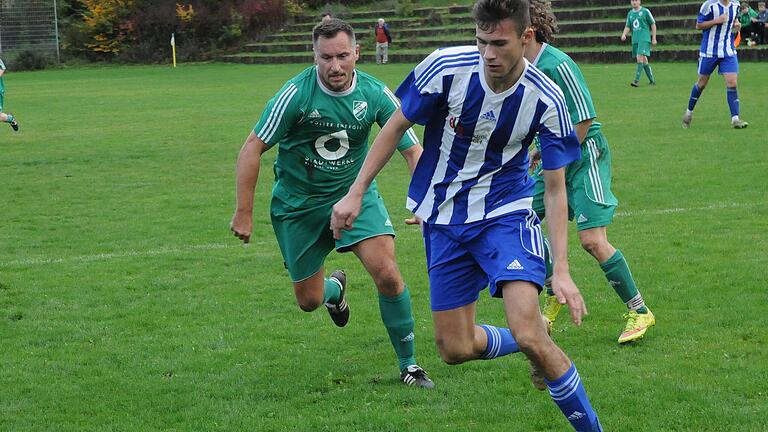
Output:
x,y
455,17
607,26
611,54
466,38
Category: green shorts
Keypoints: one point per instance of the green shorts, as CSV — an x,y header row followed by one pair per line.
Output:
x,y
588,182
305,237
641,48
2,96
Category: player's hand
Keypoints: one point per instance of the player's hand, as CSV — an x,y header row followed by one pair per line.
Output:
x,y
534,158
415,220
721,19
242,225
568,294
653,41
623,38
344,213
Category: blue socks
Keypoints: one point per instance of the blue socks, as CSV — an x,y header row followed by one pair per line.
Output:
x,y
500,342
695,93
733,100
570,396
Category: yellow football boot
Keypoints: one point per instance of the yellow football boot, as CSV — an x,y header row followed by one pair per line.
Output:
x,y
551,308
637,325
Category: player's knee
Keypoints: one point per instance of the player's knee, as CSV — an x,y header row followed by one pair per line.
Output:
x,y
308,304
531,343
388,280
594,245
453,353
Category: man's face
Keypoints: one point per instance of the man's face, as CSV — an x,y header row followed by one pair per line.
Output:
x,y
635,4
502,49
335,58
761,7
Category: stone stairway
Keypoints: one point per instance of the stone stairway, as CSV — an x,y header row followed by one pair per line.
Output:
x,y
589,32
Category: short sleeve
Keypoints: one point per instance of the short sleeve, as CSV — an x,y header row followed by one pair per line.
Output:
x,y
387,104
577,97
417,105
629,23
651,20
705,13
559,145
279,116
2,65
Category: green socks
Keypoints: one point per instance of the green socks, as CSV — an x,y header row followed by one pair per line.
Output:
x,y
331,292
649,72
638,71
9,119
398,319
617,272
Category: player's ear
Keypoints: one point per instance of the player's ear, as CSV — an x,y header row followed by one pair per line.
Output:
x,y
528,35
357,52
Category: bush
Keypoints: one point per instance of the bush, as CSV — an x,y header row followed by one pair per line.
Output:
x,y
404,8
30,60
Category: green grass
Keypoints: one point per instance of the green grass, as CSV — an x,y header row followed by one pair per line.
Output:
x,y
125,304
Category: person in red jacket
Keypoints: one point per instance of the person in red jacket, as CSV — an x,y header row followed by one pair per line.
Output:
x,y
383,39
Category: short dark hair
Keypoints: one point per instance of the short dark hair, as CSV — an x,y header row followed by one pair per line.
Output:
x,y
489,13
543,21
330,28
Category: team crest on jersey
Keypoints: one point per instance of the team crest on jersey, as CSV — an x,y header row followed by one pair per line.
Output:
x,y
359,109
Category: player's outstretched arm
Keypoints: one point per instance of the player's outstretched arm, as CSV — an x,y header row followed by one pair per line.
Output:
x,y
348,208
248,163
556,207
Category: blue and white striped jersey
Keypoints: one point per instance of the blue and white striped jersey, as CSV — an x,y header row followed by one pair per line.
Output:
x,y
717,41
475,160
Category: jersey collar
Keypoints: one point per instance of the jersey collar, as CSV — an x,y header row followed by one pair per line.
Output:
x,y
538,54
330,92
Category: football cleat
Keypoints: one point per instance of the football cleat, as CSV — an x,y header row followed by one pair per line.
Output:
x,y
637,325
551,308
14,124
537,377
687,117
413,375
634,84
339,311
739,123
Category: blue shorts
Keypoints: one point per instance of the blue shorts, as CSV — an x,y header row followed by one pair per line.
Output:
x,y
464,259
728,64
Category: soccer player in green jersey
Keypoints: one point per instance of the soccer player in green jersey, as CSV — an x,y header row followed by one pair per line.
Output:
x,y
643,26
8,118
321,120
588,181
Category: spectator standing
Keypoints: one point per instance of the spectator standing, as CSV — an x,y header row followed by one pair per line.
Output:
x,y
383,39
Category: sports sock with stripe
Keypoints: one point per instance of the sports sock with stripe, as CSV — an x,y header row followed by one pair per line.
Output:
x,y
397,316
617,272
695,94
331,291
732,95
649,72
500,342
569,395
638,71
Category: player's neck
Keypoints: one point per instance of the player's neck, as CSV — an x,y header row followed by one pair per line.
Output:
x,y
504,83
637,8
532,51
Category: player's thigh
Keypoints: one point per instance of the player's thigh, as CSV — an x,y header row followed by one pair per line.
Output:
x,y
305,240
372,221
589,192
455,328
707,65
377,254
729,68
455,278
510,248
731,79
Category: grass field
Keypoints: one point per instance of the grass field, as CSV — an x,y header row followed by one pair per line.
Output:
x,y
125,304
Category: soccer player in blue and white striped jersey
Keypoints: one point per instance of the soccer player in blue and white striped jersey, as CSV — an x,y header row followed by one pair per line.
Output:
x,y
481,107
717,20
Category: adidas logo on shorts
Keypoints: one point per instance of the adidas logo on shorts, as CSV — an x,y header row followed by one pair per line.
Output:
x,y
515,265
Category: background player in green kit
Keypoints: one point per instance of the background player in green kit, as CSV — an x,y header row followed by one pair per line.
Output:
x,y
588,181
643,26
321,120
8,118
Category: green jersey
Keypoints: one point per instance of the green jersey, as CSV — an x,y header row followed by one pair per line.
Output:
x,y
561,69
322,135
640,21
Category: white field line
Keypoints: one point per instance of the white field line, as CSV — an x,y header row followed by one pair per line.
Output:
x,y
217,246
